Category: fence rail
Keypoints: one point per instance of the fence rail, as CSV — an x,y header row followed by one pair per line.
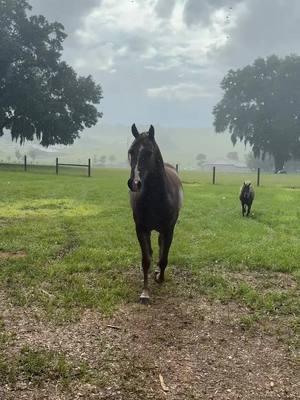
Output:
x,y
214,176
57,165
88,166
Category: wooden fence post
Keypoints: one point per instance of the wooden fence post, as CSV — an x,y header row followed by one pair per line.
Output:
x,y
89,167
56,165
177,168
25,163
214,175
258,176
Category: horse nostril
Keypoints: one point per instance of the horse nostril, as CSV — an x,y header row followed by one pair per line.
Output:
x,y
134,185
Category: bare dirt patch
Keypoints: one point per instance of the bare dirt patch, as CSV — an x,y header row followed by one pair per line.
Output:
x,y
265,280
12,254
196,346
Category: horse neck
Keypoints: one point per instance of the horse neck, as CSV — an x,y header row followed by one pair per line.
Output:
x,y
156,177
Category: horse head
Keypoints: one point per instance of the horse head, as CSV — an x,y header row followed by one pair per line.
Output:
x,y
141,156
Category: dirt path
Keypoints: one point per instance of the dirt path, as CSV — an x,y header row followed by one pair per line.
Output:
x,y
190,349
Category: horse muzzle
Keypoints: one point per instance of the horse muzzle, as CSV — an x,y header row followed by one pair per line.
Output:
x,y
134,185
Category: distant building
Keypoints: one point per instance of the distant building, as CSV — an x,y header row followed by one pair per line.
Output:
x,y
226,166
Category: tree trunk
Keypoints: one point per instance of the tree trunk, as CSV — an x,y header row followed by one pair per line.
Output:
x,y
279,161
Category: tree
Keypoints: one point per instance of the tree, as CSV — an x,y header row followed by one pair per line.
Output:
x,y
261,107
41,96
112,158
233,155
18,155
200,159
102,160
254,162
33,154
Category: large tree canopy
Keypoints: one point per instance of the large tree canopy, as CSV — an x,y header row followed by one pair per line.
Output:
x,y
40,95
261,107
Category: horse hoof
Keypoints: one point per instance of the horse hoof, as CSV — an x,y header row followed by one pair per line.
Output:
x,y
158,278
145,300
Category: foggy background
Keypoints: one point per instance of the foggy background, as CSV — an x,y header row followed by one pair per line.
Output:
x,y
160,62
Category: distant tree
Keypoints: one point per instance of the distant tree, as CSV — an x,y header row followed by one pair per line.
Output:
x,y
266,164
201,158
293,165
261,107
233,155
41,96
32,154
112,158
102,160
18,155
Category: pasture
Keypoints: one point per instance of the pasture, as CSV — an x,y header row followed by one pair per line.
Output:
x,y
224,325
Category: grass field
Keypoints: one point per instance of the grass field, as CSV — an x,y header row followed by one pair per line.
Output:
x,y
68,246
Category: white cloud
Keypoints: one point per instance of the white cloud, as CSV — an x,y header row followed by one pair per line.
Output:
x,y
179,49
180,91
161,43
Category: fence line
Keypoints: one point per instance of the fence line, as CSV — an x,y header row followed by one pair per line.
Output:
x,y
57,164
214,176
88,166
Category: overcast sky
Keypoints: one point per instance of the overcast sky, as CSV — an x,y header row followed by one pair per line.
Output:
x,y
161,61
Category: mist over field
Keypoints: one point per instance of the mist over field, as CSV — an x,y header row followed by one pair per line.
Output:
x,y
178,145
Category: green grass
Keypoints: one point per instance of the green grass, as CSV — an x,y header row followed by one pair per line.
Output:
x,y
80,251
40,365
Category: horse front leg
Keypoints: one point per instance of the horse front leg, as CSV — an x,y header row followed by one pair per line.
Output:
x,y
164,241
145,244
243,209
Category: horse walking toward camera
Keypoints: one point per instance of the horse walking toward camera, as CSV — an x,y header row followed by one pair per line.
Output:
x,y
246,197
156,197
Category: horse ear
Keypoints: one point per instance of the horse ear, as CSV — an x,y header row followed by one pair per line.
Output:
x,y
151,132
134,131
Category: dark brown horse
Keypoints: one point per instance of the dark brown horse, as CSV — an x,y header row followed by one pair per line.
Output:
x,y
246,197
156,198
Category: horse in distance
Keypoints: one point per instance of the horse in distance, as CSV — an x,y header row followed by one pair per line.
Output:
x,y
156,197
247,195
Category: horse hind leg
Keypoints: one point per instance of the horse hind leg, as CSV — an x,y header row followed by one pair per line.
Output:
x,y
164,241
249,209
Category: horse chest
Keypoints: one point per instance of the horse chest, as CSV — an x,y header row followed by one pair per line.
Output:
x,y
151,213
